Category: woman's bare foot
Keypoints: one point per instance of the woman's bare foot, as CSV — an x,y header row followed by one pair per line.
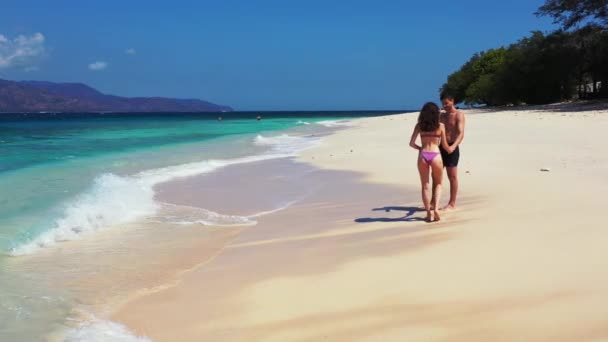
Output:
x,y
437,217
428,218
449,207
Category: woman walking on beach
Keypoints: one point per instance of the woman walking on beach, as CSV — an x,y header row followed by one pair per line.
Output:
x,y
432,134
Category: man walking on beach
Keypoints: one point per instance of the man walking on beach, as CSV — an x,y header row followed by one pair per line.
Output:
x,y
453,119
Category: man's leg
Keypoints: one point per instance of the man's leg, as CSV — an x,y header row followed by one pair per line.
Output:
x,y
453,177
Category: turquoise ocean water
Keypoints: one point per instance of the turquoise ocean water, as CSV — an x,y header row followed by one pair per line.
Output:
x,y
65,175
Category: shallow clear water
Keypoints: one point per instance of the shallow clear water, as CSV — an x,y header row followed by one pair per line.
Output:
x,y
44,162
71,174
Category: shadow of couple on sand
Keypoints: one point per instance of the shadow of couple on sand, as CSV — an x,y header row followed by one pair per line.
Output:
x,y
409,215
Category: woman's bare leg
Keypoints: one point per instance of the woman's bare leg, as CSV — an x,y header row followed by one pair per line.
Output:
x,y
423,169
437,172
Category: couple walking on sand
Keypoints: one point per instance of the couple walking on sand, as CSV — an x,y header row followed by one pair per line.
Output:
x,y
440,136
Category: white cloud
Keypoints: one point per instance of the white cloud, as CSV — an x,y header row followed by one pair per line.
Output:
x,y
22,51
99,65
130,51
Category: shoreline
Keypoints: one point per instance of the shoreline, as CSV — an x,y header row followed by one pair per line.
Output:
x,y
127,253
514,262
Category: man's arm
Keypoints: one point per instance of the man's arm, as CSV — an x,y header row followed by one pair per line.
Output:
x,y
444,140
460,136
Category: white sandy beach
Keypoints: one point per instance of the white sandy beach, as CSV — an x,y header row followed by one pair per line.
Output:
x,y
522,258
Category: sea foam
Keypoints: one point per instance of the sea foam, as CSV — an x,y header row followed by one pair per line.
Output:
x,y
114,199
285,143
336,123
102,331
186,215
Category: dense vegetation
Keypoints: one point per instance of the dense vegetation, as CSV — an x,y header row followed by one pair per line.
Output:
x,y
571,62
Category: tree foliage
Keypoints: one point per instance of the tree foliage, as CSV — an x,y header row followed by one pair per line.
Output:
x,y
570,13
541,68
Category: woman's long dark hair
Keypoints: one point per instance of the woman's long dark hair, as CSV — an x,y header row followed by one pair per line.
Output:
x,y
428,120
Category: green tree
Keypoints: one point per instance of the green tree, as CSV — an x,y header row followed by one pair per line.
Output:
x,y
540,69
570,13
459,81
593,14
537,69
472,83
484,88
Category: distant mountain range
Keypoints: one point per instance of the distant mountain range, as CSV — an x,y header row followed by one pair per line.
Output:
x,y
38,96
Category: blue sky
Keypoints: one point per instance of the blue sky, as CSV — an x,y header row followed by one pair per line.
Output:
x,y
257,55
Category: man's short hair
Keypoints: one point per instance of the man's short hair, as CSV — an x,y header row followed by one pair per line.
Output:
x,y
447,95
